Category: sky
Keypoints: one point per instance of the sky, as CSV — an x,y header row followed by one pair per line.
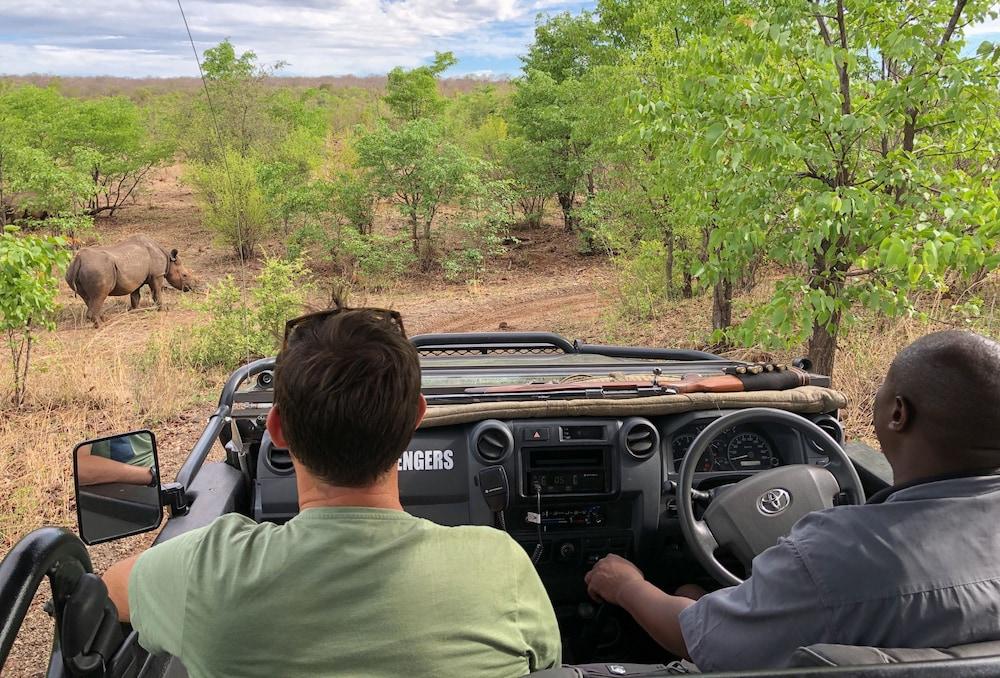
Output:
x,y
140,38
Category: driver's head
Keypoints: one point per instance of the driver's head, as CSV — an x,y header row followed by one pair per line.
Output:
x,y
939,407
347,395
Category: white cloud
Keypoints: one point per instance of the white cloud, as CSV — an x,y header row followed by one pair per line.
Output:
x,y
316,37
990,26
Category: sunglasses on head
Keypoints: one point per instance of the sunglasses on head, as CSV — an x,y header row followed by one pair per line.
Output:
x,y
383,314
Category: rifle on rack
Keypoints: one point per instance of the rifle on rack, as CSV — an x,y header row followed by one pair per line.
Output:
x,y
757,377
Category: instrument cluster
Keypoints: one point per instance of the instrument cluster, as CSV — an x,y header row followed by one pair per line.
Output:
x,y
741,448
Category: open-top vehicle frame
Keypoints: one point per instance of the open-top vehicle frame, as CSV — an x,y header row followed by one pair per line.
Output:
x,y
670,457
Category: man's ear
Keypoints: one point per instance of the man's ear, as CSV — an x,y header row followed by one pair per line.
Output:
x,y
421,408
901,415
274,428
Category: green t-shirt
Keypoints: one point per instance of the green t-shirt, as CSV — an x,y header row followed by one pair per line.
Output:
x,y
141,453
347,592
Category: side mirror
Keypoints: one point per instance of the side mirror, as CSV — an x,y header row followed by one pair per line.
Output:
x,y
117,486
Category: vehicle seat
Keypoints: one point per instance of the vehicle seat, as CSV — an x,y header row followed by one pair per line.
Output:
x,y
611,670
811,656
859,655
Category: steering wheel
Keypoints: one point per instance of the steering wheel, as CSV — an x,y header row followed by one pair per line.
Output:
x,y
749,516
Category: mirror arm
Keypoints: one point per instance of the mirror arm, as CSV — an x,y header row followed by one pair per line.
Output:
x,y
174,497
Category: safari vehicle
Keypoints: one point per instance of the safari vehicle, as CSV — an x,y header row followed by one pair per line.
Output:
x,y
576,450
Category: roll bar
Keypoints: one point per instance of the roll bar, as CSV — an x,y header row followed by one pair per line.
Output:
x,y
491,341
482,342
241,375
49,551
498,341
218,420
641,352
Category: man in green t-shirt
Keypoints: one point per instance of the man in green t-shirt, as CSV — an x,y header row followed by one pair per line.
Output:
x,y
353,585
123,459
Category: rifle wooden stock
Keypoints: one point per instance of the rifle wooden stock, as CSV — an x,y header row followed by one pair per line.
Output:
x,y
721,383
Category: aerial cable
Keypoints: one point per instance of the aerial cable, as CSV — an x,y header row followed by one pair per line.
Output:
x,y
229,181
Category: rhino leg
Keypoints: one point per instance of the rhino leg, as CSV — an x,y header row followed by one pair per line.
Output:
x,y
134,300
94,306
156,287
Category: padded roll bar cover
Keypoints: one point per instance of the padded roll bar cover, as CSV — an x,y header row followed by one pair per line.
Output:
x,y
805,400
861,655
83,615
642,352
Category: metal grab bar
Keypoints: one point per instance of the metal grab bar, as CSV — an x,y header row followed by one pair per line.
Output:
x,y
492,340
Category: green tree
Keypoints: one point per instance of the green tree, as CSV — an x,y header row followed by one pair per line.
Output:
x,y
236,112
530,178
28,288
354,200
112,146
241,328
413,94
417,169
60,155
546,105
541,113
875,133
234,205
37,142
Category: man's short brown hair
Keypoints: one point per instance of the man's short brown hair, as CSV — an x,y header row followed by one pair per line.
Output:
x,y
347,388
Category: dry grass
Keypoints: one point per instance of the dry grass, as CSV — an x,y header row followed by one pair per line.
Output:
x,y
85,385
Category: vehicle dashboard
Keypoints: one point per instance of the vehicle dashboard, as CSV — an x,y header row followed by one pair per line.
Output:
x,y
575,488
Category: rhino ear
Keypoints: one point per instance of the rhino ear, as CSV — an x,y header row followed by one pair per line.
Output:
x,y
173,255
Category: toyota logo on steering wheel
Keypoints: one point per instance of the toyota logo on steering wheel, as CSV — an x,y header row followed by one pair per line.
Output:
x,y
774,501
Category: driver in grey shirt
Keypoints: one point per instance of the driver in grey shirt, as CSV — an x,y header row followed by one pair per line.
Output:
x,y
917,566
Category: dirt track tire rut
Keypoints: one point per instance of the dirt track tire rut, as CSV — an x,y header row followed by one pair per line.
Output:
x,y
524,315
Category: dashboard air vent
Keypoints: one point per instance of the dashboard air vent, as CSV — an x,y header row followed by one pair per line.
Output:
x,y
640,438
832,427
492,441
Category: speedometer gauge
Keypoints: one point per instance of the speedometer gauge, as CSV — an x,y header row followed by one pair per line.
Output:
x,y
750,452
714,458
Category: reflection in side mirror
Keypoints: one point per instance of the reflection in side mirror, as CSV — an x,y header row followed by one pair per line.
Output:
x,y
117,486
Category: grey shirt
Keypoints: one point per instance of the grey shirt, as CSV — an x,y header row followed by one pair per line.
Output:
x,y
919,569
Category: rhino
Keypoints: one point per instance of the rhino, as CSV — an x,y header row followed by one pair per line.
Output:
x,y
17,206
122,269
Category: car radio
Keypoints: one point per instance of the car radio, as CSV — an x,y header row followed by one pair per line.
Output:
x,y
566,471
587,516
565,459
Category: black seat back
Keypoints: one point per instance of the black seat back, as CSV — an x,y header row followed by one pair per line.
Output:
x,y
860,655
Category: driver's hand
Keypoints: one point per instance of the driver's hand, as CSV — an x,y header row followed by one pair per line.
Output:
x,y
609,577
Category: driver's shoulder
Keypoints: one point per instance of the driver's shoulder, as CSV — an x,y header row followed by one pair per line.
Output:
x,y
854,552
841,529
